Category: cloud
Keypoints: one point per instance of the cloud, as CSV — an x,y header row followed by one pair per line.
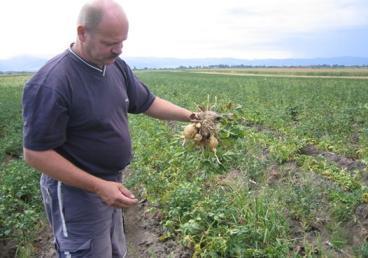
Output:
x,y
39,27
192,28
247,28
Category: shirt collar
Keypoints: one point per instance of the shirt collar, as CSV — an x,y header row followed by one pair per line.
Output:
x,y
103,70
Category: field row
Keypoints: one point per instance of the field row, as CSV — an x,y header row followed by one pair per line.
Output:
x,y
269,196
357,73
292,179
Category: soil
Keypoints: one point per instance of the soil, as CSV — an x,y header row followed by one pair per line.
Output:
x,y
143,233
7,249
344,162
143,228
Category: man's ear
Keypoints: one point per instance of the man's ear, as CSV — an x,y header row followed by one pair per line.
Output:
x,y
81,30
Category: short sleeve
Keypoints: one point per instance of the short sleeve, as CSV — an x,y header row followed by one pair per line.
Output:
x,y
140,97
45,117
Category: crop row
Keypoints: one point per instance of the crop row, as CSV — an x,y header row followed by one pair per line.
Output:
x,y
204,203
266,199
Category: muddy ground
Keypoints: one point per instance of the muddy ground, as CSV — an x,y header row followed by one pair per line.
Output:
x,y
143,231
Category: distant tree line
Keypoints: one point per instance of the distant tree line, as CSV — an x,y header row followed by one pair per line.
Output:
x,y
272,66
218,66
15,73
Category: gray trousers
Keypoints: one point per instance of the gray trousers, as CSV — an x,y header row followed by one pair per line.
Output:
x,y
83,225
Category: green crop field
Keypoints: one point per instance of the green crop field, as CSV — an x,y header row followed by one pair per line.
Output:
x,y
292,178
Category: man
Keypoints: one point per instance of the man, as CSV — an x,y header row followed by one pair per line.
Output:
x,y
76,133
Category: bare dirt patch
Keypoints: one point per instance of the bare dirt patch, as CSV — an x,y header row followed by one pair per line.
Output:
x,y
343,162
7,249
143,233
142,230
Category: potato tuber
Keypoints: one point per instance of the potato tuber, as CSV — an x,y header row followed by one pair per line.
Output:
x,y
203,131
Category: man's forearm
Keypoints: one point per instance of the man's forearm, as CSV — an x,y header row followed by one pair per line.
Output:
x,y
166,110
56,166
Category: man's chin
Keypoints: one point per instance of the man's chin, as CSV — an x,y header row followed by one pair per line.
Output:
x,y
110,60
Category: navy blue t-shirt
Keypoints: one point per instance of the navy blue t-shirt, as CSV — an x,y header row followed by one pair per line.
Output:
x,y
81,112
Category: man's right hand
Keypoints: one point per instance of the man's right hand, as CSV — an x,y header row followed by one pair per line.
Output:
x,y
56,166
115,194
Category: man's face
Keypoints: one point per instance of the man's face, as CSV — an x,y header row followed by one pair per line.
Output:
x,y
103,45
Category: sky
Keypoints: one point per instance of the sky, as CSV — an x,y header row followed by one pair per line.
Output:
x,y
241,29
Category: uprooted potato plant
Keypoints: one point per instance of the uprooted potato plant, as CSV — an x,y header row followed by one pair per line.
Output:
x,y
203,130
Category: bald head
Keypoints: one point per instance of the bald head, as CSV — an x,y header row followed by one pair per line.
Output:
x,y
96,11
101,30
